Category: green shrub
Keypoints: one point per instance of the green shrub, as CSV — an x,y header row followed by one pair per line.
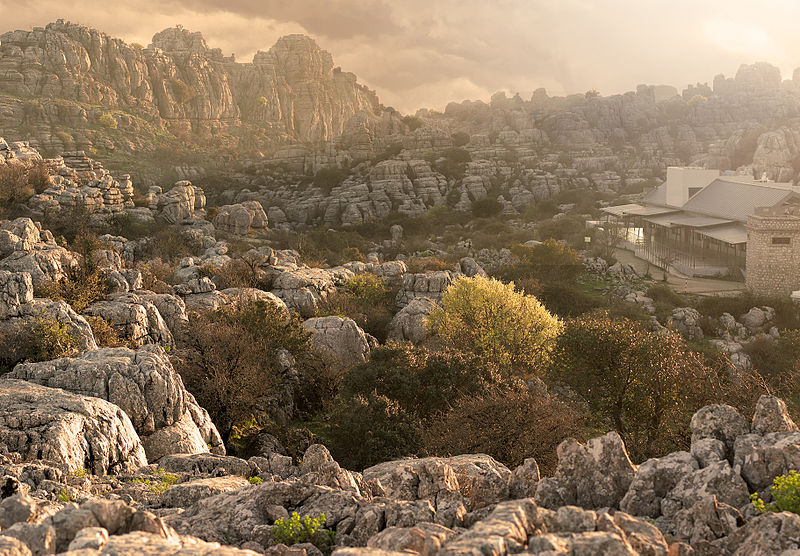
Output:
x,y
786,314
566,300
366,430
645,386
423,382
486,208
550,262
494,321
104,334
297,530
785,492
108,121
453,162
41,338
460,138
390,152
365,298
328,178
233,364
255,480
412,122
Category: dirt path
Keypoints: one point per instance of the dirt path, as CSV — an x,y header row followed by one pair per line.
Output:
x,y
698,286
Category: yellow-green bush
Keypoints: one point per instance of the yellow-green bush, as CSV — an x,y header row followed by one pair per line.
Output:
x,y
108,121
496,322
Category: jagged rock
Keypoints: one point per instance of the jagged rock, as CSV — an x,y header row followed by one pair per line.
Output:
x,y
469,267
770,533
594,475
25,248
144,385
762,458
654,480
717,479
205,463
409,324
185,494
16,288
706,520
319,468
238,219
431,285
771,415
424,538
301,289
177,205
133,319
340,339
524,480
78,431
721,422
686,321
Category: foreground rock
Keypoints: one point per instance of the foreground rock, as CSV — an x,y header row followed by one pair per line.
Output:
x,y
83,433
144,385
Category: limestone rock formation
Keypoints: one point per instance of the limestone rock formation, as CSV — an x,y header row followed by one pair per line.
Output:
x,y
144,385
79,431
240,218
339,339
409,324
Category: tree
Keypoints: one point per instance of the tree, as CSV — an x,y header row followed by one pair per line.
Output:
x,y
645,386
237,360
494,321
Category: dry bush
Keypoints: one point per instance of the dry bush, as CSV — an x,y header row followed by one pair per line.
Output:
x,y
366,299
104,333
39,339
508,424
419,265
157,275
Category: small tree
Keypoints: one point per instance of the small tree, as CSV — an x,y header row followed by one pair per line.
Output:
x,y
235,363
494,321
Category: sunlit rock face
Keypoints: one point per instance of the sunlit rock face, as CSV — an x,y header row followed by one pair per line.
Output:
x,y
290,92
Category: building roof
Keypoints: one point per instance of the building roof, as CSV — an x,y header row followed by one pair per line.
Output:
x,y
735,198
732,233
687,219
634,209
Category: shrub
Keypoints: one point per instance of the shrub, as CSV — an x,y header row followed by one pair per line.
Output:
x,y
571,228
494,321
486,208
297,530
233,364
369,429
785,492
418,265
108,121
39,339
550,262
566,300
786,314
255,480
18,182
645,386
453,163
328,178
421,381
182,92
366,299
507,424
460,139
104,334
390,152
412,122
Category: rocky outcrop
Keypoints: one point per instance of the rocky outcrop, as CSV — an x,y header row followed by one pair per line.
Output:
x,y
292,91
409,324
240,218
144,385
431,285
25,247
133,318
80,432
339,339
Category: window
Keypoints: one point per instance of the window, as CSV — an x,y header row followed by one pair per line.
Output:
x,y
781,241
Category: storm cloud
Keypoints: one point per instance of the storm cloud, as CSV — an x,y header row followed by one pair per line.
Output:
x,y
425,53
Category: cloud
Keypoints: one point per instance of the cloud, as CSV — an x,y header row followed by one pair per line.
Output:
x,y
425,53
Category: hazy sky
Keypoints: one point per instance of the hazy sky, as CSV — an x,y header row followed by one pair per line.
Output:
x,y
425,53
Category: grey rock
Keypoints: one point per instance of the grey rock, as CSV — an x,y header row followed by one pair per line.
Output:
x,y
340,339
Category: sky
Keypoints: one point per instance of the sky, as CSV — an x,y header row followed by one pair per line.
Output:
x,y
426,53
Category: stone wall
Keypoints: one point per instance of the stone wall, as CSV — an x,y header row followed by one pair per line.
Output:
x,y
773,268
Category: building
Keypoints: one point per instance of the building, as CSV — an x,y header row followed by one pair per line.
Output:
x,y
697,221
773,247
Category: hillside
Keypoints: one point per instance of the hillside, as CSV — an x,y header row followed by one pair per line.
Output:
x,y
59,83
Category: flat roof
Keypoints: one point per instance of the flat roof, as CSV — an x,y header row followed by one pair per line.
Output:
x,y
687,219
733,233
634,209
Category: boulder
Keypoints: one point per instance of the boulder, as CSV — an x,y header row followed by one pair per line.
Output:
x,y
183,495
238,219
721,422
340,339
595,475
654,480
78,431
409,324
142,383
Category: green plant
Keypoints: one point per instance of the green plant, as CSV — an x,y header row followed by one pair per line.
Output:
x,y
65,496
496,322
159,485
108,121
485,208
305,529
79,472
785,492
367,299
255,480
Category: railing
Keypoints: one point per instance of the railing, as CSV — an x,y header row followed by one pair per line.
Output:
x,y
664,255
